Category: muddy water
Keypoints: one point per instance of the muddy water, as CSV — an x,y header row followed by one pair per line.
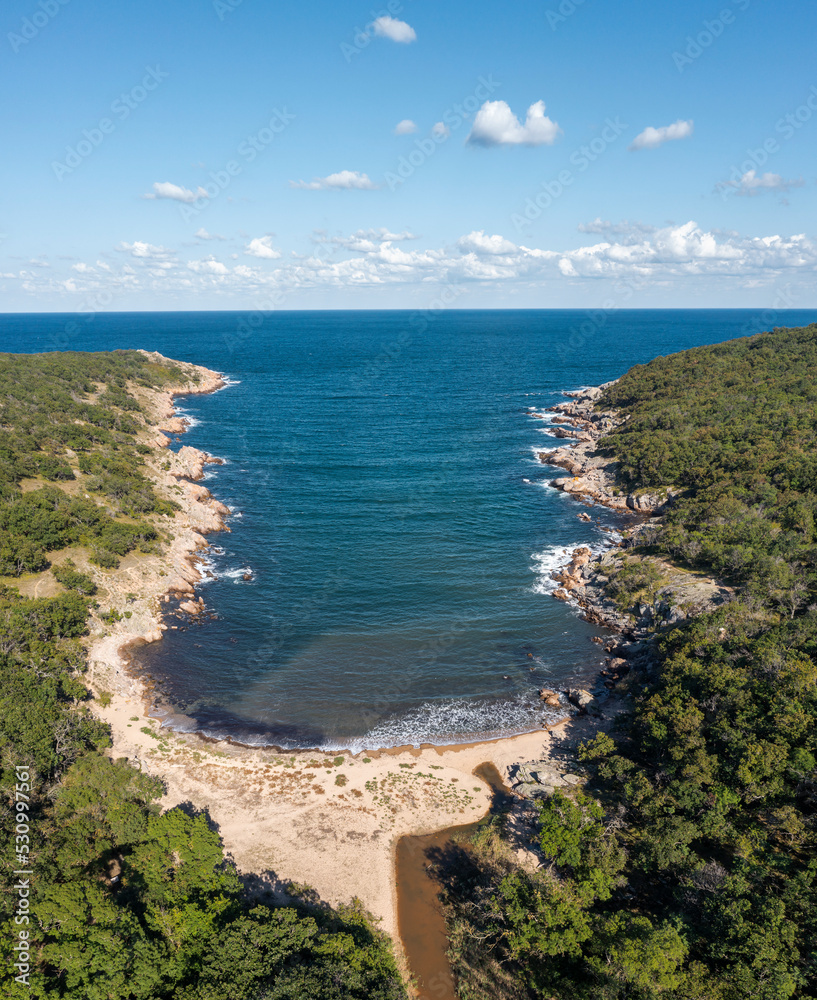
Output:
x,y
419,916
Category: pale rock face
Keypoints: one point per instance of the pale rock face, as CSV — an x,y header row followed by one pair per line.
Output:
x,y
581,698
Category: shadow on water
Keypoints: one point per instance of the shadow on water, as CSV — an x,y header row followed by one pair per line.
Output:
x,y
419,915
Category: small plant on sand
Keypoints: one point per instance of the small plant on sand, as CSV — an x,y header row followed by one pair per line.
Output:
x,y
104,698
338,761
341,779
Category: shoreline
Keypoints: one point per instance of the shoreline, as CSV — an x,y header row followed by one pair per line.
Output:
x,y
329,818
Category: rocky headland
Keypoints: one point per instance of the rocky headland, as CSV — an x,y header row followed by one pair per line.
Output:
x,y
589,581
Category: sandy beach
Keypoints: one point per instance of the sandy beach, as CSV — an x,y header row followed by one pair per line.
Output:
x,y
329,820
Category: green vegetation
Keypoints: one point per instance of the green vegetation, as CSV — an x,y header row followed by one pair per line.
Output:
x,y
687,866
68,575
126,903
52,414
734,426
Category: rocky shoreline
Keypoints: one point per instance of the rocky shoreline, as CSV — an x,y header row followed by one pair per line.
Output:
x,y
138,589
592,476
584,580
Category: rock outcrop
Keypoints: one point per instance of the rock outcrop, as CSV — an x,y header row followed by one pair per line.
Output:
x,y
536,779
592,476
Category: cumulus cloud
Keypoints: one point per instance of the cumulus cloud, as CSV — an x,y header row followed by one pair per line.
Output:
x,y
479,243
363,241
397,31
348,180
164,189
652,138
627,231
202,234
262,246
752,184
684,258
440,130
405,127
496,125
687,250
208,266
144,251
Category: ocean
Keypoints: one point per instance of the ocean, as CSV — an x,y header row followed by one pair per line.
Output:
x,y
398,531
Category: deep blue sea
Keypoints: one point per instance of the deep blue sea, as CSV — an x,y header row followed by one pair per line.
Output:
x,y
399,530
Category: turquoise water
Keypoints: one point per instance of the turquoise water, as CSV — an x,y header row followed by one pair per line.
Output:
x,y
388,503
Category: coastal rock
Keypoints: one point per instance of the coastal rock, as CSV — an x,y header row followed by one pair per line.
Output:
x,y
550,698
174,425
650,503
581,698
533,790
188,463
561,594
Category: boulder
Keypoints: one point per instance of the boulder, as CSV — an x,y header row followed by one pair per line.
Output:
x,y
550,698
533,790
581,698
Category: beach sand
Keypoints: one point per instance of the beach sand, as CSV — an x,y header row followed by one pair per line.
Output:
x,y
327,820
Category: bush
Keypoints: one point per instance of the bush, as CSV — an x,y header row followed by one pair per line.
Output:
x,y
72,579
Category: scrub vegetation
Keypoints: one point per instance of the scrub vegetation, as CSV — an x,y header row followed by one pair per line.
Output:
x,y
127,903
685,867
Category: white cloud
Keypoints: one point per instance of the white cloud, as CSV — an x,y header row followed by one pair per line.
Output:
x,y
678,259
164,189
145,251
405,127
262,246
364,240
687,250
651,137
496,125
440,130
343,180
397,31
751,184
208,266
629,231
202,234
479,243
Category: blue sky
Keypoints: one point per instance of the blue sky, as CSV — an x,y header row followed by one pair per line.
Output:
x,y
242,154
